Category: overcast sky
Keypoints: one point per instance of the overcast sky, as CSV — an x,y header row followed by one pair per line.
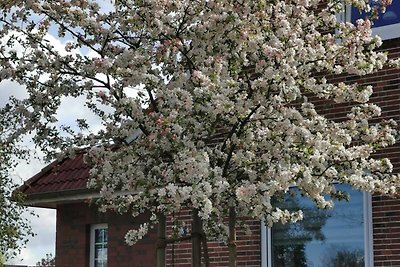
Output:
x,y
44,225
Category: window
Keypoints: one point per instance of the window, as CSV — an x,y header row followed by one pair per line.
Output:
x,y
98,245
330,238
387,26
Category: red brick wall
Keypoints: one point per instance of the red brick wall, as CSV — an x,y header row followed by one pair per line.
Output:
x,y
73,241
386,231
73,238
385,210
248,247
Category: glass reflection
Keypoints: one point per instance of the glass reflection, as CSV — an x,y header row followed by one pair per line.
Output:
x,y
324,238
391,16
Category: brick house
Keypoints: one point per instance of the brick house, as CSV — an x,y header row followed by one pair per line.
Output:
x,y
81,227
363,232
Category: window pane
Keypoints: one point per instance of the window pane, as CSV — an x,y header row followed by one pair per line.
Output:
x,y
105,235
100,252
100,235
391,16
100,263
99,247
326,238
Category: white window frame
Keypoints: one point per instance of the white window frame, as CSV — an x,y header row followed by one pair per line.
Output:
x,y
266,243
93,228
386,32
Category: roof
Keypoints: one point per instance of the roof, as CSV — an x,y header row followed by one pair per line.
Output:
x,y
69,174
57,181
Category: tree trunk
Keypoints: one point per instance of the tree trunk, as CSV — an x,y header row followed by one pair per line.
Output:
x,y
161,241
196,239
232,237
205,251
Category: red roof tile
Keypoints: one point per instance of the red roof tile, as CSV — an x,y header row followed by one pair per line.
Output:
x,y
69,174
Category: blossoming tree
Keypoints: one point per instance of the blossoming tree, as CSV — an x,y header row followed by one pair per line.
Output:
x,y
14,228
205,105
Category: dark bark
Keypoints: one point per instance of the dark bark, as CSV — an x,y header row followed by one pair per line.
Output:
x,y
161,241
232,238
205,250
196,239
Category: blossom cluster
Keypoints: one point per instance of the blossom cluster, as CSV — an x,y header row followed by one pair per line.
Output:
x,y
222,115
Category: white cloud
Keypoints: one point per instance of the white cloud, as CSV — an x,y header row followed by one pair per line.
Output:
x,y
44,226
43,242
9,88
72,108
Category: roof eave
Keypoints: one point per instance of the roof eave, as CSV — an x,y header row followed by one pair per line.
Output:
x,y
53,199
